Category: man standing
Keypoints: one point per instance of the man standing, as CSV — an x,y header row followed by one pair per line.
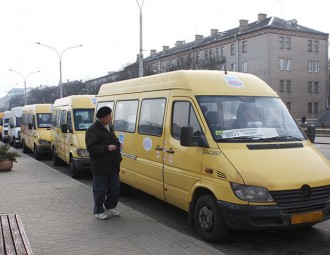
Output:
x,y
104,152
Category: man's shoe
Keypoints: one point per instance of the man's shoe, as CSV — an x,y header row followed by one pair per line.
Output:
x,y
101,216
113,212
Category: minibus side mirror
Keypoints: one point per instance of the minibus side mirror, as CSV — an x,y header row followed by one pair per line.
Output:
x,y
64,128
11,125
30,126
186,134
188,139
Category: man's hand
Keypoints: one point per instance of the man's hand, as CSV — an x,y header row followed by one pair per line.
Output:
x,y
112,147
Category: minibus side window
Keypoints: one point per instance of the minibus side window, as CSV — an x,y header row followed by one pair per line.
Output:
x,y
69,121
33,122
54,114
125,116
101,104
58,118
63,118
152,117
184,115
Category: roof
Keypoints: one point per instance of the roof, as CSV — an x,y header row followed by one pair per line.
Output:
x,y
201,82
270,22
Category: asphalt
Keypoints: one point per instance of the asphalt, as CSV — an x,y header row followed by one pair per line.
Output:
x,y
56,211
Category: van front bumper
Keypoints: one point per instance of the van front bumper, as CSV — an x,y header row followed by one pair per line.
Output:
x,y
44,149
82,164
250,217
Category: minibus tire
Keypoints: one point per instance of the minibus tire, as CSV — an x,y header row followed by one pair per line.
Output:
x,y
74,170
24,148
36,153
209,223
56,160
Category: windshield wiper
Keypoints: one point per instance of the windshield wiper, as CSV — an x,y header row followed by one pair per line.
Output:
x,y
254,138
284,137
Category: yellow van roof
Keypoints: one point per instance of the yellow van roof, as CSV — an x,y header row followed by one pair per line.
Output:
x,y
77,101
202,82
41,108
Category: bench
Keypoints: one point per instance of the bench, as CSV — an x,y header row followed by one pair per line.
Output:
x,y
13,239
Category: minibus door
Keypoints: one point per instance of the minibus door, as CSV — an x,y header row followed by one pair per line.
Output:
x,y
149,144
182,165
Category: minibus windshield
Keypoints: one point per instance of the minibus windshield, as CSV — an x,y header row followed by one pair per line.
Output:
x,y
44,120
237,118
83,118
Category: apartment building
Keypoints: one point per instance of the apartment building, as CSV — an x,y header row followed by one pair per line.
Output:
x,y
291,58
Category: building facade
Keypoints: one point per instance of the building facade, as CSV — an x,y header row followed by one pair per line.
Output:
x,y
291,58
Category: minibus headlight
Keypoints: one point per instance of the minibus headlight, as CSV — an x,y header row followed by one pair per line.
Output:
x,y
44,142
82,153
251,193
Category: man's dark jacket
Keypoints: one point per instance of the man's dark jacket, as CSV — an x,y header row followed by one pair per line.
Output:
x,y
98,139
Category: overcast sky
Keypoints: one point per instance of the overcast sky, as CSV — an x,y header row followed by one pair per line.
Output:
x,y
109,32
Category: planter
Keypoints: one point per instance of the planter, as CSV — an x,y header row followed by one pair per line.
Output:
x,y
6,165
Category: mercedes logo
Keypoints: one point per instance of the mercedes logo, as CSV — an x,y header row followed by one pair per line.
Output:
x,y
306,191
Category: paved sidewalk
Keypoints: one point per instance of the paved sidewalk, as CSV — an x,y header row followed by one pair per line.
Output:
x,y
56,211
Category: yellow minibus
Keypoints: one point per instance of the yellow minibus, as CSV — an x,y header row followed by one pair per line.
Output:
x,y
221,146
35,129
71,116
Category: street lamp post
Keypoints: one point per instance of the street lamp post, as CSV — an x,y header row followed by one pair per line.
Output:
x,y
141,49
60,58
24,77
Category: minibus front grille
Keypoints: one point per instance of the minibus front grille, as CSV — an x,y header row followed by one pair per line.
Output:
x,y
294,201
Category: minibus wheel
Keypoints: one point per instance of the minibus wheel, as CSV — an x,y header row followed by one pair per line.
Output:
x,y
36,153
209,223
14,142
56,160
24,148
74,170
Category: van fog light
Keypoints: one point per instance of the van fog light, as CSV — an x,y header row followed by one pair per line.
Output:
x,y
251,193
82,153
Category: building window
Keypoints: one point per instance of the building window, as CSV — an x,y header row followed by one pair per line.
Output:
x,y
316,46
232,49
285,64
222,51
310,108
281,85
310,46
310,87
289,105
316,87
313,66
233,67
197,57
206,54
244,46
316,108
288,86
281,41
244,67
288,43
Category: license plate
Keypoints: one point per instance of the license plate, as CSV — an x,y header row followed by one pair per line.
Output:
x,y
306,217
